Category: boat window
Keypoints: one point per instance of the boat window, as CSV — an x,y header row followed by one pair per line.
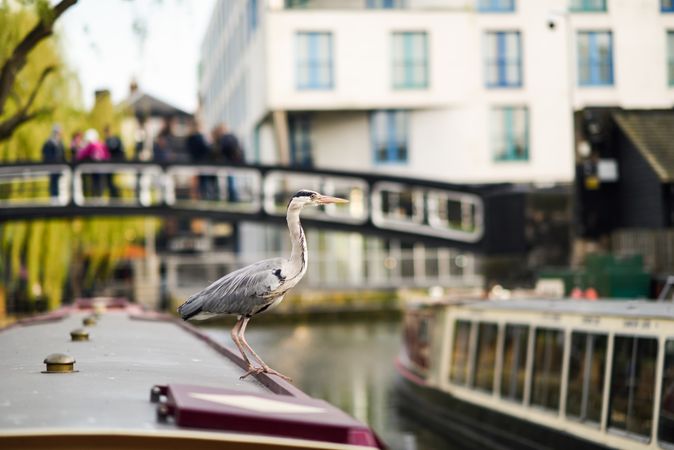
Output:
x,y
547,373
666,427
485,357
514,361
632,381
459,367
587,366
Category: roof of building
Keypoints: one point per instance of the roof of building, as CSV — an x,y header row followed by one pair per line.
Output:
x,y
144,104
652,133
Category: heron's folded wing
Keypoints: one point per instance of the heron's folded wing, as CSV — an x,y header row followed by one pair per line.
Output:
x,y
243,289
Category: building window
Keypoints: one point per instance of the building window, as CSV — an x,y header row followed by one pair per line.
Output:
x,y
410,60
595,58
314,60
632,384
586,376
503,59
385,4
670,57
496,5
666,423
389,136
667,5
547,373
458,372
299,131
485,356
510,133
514,369
588,5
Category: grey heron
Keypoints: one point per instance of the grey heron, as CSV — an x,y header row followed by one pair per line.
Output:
x,y
255,288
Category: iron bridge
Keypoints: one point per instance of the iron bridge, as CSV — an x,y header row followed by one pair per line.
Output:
x,y
482,218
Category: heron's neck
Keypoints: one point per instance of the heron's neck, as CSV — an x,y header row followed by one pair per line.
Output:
x,y
298,255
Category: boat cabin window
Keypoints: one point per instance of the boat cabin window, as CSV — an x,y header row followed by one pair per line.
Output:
x,y
632,381
666,425
547,373
514,369
587,366
485,357
458,372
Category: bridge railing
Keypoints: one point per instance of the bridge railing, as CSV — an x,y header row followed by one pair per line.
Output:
x,y
121,184
44,185
417,207
430,211
229,189
280,185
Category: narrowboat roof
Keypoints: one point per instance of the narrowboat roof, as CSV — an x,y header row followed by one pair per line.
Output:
x,y
620,308
116,369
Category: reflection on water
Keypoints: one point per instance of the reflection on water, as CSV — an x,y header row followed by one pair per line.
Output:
x,y
351,366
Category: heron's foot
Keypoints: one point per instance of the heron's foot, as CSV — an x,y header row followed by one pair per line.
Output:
x,y
252,370
270,371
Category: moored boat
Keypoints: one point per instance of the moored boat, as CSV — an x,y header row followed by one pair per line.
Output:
x,y
543,373
116,376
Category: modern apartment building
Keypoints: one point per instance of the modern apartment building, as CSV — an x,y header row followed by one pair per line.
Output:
x,y
462,91
456,90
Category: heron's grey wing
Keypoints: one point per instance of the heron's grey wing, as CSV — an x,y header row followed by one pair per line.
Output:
x,y
245,290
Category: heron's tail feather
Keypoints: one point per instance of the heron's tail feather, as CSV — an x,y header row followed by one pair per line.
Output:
x,y
190,308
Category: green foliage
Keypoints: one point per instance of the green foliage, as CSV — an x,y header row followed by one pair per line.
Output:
x,y
38,255
60,91
103,112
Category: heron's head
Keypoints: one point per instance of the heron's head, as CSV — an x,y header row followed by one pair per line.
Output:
x,y
305,197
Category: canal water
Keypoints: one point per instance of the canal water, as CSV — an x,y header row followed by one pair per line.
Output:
x,y
349,364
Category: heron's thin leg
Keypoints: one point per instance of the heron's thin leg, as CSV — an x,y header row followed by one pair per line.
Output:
x,y
235,338
265,367
242,338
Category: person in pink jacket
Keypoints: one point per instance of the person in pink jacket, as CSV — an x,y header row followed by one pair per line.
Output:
x,y
93,150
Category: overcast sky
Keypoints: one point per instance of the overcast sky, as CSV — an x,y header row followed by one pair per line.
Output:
x,y
101,46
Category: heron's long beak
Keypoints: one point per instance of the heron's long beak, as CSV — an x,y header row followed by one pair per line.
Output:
x,y
325,200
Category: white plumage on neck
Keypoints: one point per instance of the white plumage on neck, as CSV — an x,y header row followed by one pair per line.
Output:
x,y
297,264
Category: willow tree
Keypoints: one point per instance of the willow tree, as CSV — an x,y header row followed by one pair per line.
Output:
x,y
18,94
36,90
37,256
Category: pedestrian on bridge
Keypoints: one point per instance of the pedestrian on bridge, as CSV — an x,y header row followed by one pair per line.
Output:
x,y
53,153
226,146
166,145
94,150
76,145
116,151
200,153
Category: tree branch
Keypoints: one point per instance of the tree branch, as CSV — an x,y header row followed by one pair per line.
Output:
x,y
42,29
8,126
45,72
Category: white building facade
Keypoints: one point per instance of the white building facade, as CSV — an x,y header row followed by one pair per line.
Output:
x,y
461,91
457,90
